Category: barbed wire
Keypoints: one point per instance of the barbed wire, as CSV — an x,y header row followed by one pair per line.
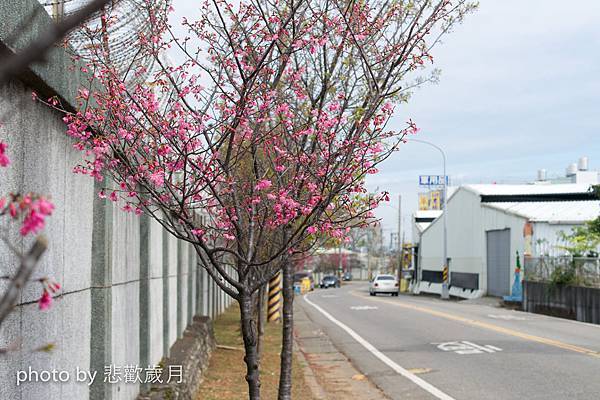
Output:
x,y
128,21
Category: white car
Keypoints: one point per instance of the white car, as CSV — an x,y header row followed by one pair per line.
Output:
x,y
384,284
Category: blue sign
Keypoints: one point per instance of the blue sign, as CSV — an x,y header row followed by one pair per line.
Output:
x,y
433,180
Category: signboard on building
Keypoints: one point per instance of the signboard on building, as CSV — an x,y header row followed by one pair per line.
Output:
x,y
431,200
433,180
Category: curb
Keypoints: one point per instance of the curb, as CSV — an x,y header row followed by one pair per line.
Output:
x,y
309,377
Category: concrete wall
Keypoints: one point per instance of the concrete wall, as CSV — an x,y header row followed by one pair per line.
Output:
x,y
42,159
129,288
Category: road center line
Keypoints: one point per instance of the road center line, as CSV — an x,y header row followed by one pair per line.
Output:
x,y
488,326
385,359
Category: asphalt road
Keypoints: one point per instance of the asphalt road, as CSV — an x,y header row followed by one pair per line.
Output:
x,y
415,347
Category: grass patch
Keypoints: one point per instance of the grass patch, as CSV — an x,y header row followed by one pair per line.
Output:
x,y
225,376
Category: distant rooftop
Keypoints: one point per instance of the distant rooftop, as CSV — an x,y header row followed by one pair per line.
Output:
x,y
529,189
552,211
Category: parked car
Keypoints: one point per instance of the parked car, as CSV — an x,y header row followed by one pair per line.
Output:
x,y
298,276
330,281
347,276
384,284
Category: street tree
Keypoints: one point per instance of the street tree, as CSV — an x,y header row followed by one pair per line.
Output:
x,y
261,138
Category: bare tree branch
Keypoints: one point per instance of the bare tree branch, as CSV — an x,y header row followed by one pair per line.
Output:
x,y
36,51
28,263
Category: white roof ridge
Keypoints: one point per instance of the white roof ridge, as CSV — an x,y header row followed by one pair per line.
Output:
x,y
525,189
576,211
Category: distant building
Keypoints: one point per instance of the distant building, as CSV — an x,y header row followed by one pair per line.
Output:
x,y
488,224
575,173
421,219
430,207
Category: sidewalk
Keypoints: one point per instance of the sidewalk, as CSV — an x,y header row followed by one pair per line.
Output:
x,y
328,372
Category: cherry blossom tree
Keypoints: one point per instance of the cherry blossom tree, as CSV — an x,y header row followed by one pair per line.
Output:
x,y
257,145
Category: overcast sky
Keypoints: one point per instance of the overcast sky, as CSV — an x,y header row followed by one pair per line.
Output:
x,y
519,91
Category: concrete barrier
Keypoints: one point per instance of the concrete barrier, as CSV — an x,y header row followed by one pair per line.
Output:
x,y
573,302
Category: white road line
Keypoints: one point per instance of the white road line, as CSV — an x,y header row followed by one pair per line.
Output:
x,y
385,359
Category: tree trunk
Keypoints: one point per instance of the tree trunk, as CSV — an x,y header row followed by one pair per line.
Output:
x,y
250,345
262,320
287,345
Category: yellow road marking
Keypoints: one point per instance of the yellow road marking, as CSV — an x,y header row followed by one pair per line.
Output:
x,y
491,327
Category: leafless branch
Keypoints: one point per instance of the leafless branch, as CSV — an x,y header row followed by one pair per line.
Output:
x,y
36,51
28,263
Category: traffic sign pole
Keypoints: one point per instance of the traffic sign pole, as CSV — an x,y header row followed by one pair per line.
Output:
x,y
445,267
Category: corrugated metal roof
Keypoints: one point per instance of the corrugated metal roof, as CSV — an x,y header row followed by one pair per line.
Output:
x,y
501,189
552,211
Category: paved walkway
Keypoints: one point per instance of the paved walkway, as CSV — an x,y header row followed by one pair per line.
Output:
x,y
328,372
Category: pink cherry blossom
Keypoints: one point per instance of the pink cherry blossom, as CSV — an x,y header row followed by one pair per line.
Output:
x,y
263,184
4,160
45,302
227,236
157,178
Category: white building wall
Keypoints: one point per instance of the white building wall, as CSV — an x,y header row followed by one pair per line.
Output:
x,y
494,219
546,239
468,222
464,242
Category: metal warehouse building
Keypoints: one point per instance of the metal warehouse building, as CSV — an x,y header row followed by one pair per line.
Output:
x,y
488,224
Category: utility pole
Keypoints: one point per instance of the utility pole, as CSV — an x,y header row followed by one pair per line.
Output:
x,y
399,220
445,266
446,270
399,243
58,10
339,274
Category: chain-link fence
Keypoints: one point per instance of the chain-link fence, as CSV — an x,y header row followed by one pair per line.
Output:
x,y
567,270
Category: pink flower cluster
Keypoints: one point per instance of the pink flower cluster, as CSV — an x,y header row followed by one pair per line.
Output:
x,y
4,160
49,289
31,207
37,211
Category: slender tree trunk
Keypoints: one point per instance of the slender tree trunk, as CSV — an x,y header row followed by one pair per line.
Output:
x,y
287,346
250,345
262,320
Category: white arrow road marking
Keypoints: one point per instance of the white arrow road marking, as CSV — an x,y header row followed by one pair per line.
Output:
x,y
361,308
465,347
428,387
489,348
